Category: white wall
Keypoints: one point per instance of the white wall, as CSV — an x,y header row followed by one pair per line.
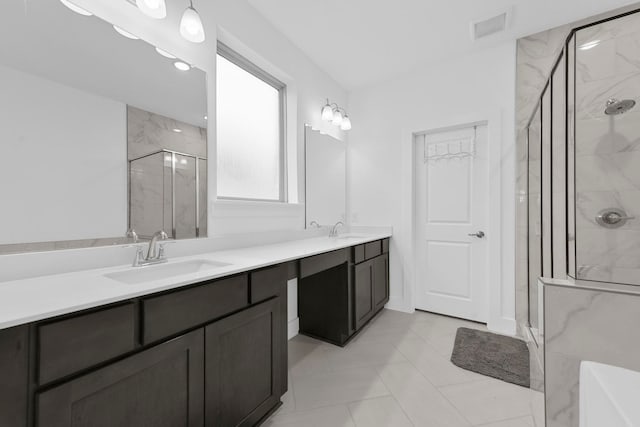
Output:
x,y
64,165
476,87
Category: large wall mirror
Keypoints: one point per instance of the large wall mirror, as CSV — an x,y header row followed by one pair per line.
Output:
x,y
101,133
325,189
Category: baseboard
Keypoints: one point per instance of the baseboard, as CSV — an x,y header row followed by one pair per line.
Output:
x,y
503,325
293,328
399,304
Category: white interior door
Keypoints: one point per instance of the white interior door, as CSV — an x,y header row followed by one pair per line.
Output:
x,y
451,201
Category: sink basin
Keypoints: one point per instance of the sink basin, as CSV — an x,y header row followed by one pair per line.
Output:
x,y
349,237
164,271
608,396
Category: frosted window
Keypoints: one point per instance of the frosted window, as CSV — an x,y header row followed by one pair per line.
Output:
x,y
249,136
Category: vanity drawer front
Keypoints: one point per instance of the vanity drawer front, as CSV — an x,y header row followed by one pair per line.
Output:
x,y
168,314
385,246
372,249
70,345
358,254
268,283
317,263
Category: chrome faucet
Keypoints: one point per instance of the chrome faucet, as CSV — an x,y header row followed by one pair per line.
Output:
x,y
334,229
155,255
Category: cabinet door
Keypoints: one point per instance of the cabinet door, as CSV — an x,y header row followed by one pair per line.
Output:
x,y
14,376
243,355
363,298
380,281
160,387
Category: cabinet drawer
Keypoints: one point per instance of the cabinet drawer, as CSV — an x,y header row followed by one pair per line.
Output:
x,y
317,263
268,283
168,314
385,246
358,254
372,249
69,345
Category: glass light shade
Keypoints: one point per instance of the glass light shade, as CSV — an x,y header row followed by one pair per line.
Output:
x,y
327,113
76,9
346,123
124,33
156,9
337,118
191,27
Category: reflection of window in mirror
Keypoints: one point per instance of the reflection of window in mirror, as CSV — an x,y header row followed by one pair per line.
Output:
x,y
250,130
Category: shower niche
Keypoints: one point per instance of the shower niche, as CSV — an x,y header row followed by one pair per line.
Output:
x,y
583,162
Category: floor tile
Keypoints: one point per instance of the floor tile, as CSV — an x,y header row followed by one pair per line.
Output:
x,y
307,356
314,391
515,422
489,400
435,367
419,399
380,412
362,353
333,416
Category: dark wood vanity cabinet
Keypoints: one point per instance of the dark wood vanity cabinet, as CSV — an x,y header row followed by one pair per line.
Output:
x,y
162,386
340,291
212,353
243,369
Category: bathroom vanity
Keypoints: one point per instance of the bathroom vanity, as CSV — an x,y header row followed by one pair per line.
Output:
x,y
180,351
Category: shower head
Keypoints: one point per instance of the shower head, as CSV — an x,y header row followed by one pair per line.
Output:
x,y
615,107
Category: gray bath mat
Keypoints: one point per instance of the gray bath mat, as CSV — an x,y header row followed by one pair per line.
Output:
x,y
494,355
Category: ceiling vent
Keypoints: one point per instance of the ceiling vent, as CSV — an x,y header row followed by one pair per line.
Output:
x,y
487,27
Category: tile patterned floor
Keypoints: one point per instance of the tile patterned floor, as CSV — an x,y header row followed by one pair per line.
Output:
x,y
397,373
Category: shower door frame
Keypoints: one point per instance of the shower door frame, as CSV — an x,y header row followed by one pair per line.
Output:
x,y
173,187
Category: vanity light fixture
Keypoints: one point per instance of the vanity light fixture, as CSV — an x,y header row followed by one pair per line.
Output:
x,y
336,115
156,9
165,53
589,45
124,33
191,27
346,123
76,9
182,66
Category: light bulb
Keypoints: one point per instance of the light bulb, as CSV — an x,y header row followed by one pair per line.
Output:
x,y
156,9
346,123
182,66
191,26
327,112
124,33
76,9
165,53
337,118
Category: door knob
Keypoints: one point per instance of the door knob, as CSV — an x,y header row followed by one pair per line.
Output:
x,y
479,234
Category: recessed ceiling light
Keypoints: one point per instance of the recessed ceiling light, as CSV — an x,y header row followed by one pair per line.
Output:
x,y
76,9
124,33
182,66
165,53
206,117
176,130
156,9
590,45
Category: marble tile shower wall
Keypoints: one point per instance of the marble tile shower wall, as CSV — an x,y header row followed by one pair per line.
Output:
x,y
608,151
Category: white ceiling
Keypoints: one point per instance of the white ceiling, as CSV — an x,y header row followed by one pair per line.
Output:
x,y
363,42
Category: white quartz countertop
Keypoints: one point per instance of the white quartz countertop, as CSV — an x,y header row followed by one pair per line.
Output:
x,y
28,300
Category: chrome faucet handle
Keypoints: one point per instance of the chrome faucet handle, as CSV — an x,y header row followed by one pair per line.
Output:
x,y
139,257
161,248
131,234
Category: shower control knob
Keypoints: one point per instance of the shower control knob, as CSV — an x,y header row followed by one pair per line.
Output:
x,y
612,218
479,234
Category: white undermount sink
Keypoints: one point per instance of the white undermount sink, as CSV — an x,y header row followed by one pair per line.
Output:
x,y
349,237
608,396
163,271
